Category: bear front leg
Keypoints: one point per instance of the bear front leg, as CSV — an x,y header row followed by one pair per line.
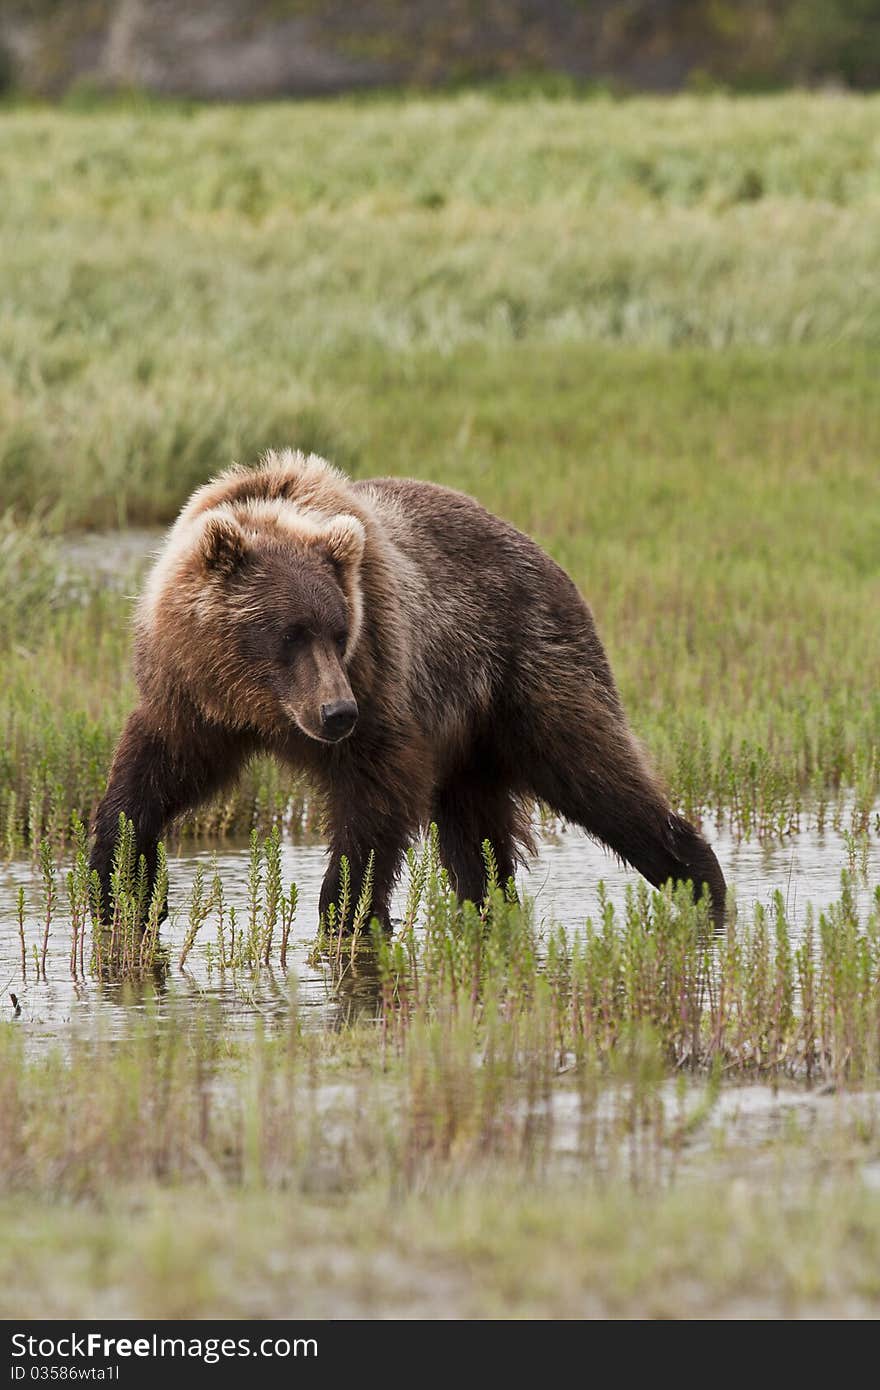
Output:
x,y
158,773
368,816
387,842
469,809
377,790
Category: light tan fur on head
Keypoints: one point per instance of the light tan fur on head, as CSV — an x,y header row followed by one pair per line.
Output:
x,y
223,542
345,539
289,499
300,495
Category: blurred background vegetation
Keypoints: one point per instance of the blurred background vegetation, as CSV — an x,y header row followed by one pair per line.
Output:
x,y
642,329
229,49
645,331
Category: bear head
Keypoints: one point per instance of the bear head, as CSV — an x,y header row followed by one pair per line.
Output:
x,y
255,611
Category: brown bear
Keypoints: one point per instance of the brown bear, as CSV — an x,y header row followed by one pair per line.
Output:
x,y
419,659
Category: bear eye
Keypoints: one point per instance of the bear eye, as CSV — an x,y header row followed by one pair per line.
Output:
x,y
292,636
341,640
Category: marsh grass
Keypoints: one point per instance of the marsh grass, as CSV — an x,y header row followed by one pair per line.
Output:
x,y
454,1097
641,331
645,334
800,1239
492,1061
499,1083
762,998
756,999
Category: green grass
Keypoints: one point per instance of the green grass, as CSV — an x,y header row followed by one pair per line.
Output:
x,y
179,288
726,1247
644,332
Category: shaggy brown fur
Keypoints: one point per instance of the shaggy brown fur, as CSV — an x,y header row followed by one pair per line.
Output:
x,y
289,601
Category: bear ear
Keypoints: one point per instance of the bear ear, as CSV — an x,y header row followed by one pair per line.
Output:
x,y
344,537
223,544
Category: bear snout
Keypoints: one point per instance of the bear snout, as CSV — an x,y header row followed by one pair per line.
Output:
x,y
338,718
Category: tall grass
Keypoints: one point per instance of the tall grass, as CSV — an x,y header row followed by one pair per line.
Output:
x,y
182,288
643,332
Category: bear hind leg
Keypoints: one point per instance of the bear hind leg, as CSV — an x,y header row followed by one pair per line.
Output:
x,y
612,795
469,810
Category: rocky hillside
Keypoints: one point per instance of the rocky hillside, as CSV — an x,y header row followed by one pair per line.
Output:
x,y
229,49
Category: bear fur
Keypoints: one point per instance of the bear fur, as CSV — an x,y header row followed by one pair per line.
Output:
x,y
289,600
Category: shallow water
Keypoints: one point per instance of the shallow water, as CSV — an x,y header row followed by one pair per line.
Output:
x,y
563,881
109,557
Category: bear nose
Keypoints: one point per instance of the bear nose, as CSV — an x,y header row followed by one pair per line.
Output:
x,y
338,718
